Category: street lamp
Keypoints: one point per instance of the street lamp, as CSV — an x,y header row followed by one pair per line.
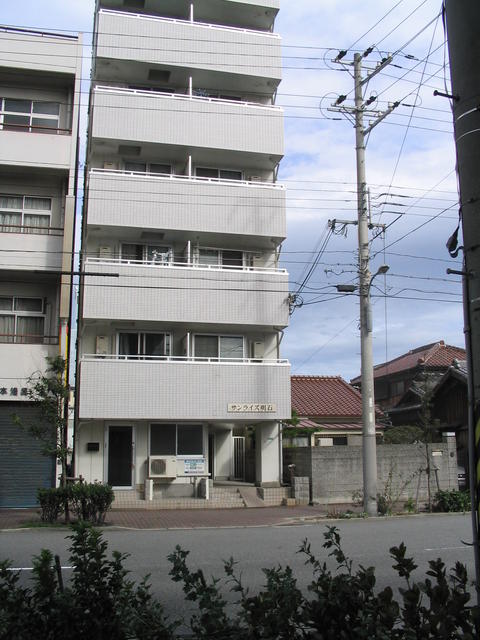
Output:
x,y
369,445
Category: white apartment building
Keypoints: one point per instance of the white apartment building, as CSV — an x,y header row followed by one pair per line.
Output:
x,y
182,318
39,105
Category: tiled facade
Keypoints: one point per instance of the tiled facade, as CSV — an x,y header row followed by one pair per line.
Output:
x,y
182,311
39,107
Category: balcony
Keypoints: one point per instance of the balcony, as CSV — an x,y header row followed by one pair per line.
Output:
x,y
145,117
36,149
186,293
187,204
27,248
183,44
40,51
118,389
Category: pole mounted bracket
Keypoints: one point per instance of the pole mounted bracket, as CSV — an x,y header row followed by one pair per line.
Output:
x,y
447,95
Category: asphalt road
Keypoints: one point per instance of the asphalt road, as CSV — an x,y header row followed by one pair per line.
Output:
x,y
367,542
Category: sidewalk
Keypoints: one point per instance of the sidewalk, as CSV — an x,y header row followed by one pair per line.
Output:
x,y
183,518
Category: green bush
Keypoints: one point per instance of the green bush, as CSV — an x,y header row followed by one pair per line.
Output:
x,y
51,502
88,502
101,602
452,500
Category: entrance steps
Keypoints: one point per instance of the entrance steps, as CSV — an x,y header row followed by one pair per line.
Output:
x,y
222,496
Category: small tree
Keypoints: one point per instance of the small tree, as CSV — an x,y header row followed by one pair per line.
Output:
x,y
49,392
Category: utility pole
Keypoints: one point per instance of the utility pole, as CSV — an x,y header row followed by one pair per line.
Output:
x,y
463,23
369,445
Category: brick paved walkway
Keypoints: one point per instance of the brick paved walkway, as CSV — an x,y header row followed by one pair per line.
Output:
x,y
183,518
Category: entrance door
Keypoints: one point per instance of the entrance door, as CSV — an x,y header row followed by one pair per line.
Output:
x,y
211,455
239,457
120,456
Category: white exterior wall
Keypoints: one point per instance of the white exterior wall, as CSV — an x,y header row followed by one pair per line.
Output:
x,y
185,132
137,117
188,44
40,52
187,205
148,390
42,67
175,294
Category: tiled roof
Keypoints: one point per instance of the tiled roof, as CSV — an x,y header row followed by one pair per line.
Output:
x,y
305,423
430,356
324,397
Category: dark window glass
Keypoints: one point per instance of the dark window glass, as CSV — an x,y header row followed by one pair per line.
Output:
x,y
128,344
15,123
232,258
230,175
340,440
18,106
205,172
160,168
163,440
141,167
190,440
47,108
155,344
206,346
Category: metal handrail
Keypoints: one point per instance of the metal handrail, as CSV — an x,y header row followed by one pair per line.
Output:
x,y
184,265
207,25
180,177
185,96
44,231
26,338
33,128
183,359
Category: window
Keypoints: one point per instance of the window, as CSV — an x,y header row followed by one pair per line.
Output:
x,y
138,346
218,174
219,347
397,388
29,115
220,257
150,167
22,320
176,440
146,253
24,214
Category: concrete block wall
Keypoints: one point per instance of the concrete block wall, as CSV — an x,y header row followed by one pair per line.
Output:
x,y
336,472
301,490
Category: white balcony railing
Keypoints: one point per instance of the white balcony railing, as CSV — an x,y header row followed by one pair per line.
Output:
x,y
100,88
143,17
172,177
167,264
186,359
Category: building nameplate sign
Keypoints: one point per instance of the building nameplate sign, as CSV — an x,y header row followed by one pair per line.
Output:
x,y
194,467
252,407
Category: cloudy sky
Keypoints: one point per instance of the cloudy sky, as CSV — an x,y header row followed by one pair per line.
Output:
x,y
410,164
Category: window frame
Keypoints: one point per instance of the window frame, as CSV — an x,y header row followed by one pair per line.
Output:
x,y
219,263
218,358
25,211
148,167
181,456
219,170
16,314
31,115
145,249
141,343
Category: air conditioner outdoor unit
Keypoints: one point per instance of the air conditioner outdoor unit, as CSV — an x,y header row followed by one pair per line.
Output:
x,y
258,350
105,252
162,467
110,166
101,345
255,178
